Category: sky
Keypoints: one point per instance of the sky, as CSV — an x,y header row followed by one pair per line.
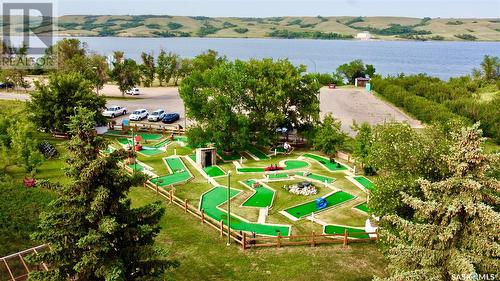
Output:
x,y
269,8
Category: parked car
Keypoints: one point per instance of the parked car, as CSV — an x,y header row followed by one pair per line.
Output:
x,y
139,114
157,115
170,118
134,92
114,111
6,85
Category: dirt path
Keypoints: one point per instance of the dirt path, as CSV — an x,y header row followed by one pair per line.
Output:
x,y
348,104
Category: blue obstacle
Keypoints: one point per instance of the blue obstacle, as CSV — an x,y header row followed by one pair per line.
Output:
x,y
321,203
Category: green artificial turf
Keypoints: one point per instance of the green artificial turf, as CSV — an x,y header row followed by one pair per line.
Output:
x,y
279,149
232,157
277,176
217,196
351,232
257,153
365,182
326,162
363,207
317,177
263,196
181,139
310,207
162,143
193,157
251,170
145,136
179,173
137,167
295,164
151,151
214,171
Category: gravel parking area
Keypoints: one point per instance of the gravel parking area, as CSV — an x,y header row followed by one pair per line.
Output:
x,y
349,104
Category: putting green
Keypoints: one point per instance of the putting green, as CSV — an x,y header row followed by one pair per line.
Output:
x,y
181,139
279,149
351,232
232,157
218,196
363,207
179,174
150,151
326,162
277,176
263,196
251,170
310,207
295,164
136,167
162,143
257,153
368,184
145,136
214,171
316,177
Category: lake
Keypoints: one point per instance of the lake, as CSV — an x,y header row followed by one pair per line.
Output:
x,y
441,59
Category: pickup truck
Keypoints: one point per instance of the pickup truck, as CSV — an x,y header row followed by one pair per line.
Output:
x,y
114,111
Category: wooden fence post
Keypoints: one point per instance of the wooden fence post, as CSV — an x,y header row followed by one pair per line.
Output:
x,y
345,237
278,240
202,216
221,228
171,193
185,205
313,240
244,241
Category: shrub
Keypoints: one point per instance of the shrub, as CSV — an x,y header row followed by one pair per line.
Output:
x,y
467,37
174,25
241,30
153,26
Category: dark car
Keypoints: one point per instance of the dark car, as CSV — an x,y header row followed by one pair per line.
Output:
x,y
170,118
6,85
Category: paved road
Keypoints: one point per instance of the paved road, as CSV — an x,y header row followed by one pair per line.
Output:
x,y
346,104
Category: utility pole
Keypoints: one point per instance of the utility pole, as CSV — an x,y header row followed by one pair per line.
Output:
x,y
229,208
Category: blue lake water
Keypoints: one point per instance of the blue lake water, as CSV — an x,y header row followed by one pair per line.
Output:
x,y
442,59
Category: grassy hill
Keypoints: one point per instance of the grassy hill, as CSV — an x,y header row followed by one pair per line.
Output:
x,y
386,28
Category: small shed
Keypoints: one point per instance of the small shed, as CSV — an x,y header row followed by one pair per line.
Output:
x,y
361,81
206,157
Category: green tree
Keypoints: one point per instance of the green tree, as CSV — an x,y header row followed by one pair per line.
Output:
x,y
329,137
166,66
214,99
370,70
351,71
184,69
362,145
97,71
52,104
93,232
24,145
207,60
490,67
125,72
455,228
69,55
147,69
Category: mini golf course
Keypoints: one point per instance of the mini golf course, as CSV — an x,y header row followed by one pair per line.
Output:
x,y
262,198
144,136
308,208
351,232
257,153
363,207
280,176
212,199
179,173
368,184
146,150
214,171
326,162
317,177
289,165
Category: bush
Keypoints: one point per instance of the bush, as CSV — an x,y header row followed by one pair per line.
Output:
x,y
241,30
153,26
174,25
467,37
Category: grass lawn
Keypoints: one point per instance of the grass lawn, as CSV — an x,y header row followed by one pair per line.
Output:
x,y
257,153
317,177
204,255
231,157
351,232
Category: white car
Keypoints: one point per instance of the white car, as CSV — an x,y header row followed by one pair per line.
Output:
x,y
139,114
156,115
114,111
134,92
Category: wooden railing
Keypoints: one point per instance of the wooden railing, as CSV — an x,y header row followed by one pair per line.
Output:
x,y
16,268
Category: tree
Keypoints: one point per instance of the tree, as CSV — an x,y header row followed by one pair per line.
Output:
x,y
329,137
370,70
125,72
148,69
362,145
93,232
455,229
184,68
351,71
214,99
490,68
52,104
166,66
97,72
24,145
69,54
207,60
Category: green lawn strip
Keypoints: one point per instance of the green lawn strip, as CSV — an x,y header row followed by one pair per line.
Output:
x,y
193,157
251,170
179,173
145,136
295,164
326,162
214,171
277,176
363,207
218,196
308,208
316,177
263,196
151,151
365,182
351,232
162,143
257,153
136,167
232,157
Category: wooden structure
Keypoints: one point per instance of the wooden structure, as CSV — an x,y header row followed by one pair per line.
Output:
x,y
15,267
206,157
361,82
